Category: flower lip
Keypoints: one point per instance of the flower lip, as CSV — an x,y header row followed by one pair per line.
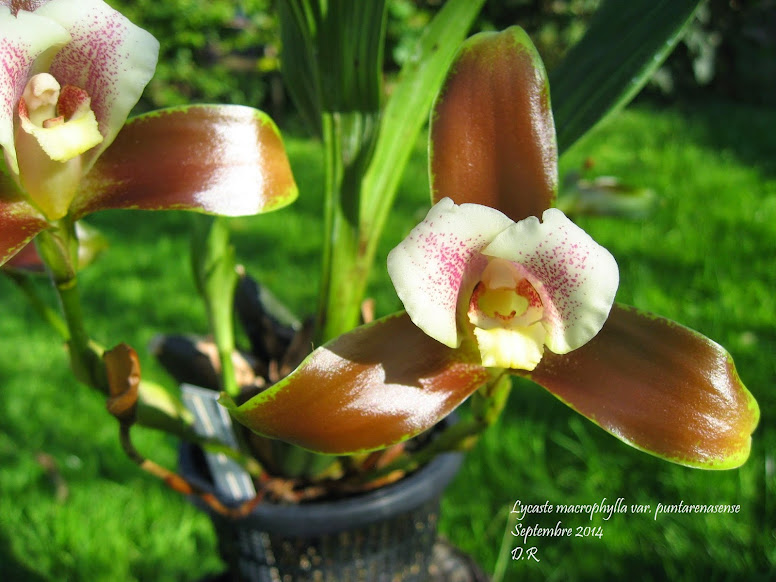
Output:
x,y
56,126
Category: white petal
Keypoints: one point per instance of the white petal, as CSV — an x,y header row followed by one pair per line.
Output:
x,y
109,57
428,268
23,38
576,278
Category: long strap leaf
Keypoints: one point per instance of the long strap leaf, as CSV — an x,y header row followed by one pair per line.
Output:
x,y
407,110
332,55
625,44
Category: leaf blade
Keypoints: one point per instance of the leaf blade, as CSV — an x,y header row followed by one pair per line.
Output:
x,y
407,109
613,61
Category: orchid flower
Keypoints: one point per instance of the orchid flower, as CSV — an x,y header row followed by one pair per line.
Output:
x,y
487,286
72,71
519,285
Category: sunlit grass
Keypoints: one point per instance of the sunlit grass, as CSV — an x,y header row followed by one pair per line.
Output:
x,y
704,257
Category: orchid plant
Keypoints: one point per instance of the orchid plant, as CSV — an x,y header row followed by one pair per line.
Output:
x,y
495,281
487,286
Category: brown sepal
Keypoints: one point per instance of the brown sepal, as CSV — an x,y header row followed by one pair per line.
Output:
x,y
492,133
378,385
227,160
658,386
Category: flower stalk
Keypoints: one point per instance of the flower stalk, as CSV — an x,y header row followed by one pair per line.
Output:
x,y
216,277
58,248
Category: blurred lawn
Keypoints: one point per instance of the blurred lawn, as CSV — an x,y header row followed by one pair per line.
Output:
x,y
704,257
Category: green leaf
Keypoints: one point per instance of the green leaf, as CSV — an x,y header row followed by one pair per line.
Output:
x,y
659,387
365,151
350,54
332,55
625,44
369,188
299,63
378,385
407,110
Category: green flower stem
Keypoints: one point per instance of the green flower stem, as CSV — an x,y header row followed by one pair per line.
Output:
x,y
227,371
220,308
214,266
488,402
58,247
85,355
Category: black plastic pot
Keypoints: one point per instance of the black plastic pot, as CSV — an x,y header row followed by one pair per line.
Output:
x,y
386,535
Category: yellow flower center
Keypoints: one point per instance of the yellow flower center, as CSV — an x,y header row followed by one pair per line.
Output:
x,y
504,297
506,311
501,303
60,118
56,126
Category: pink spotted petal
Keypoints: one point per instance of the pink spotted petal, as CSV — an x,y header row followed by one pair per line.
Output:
x,y
23,38
429,267
28,5
576,278
109,57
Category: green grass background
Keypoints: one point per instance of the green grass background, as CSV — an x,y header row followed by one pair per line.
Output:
x,y
705,257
